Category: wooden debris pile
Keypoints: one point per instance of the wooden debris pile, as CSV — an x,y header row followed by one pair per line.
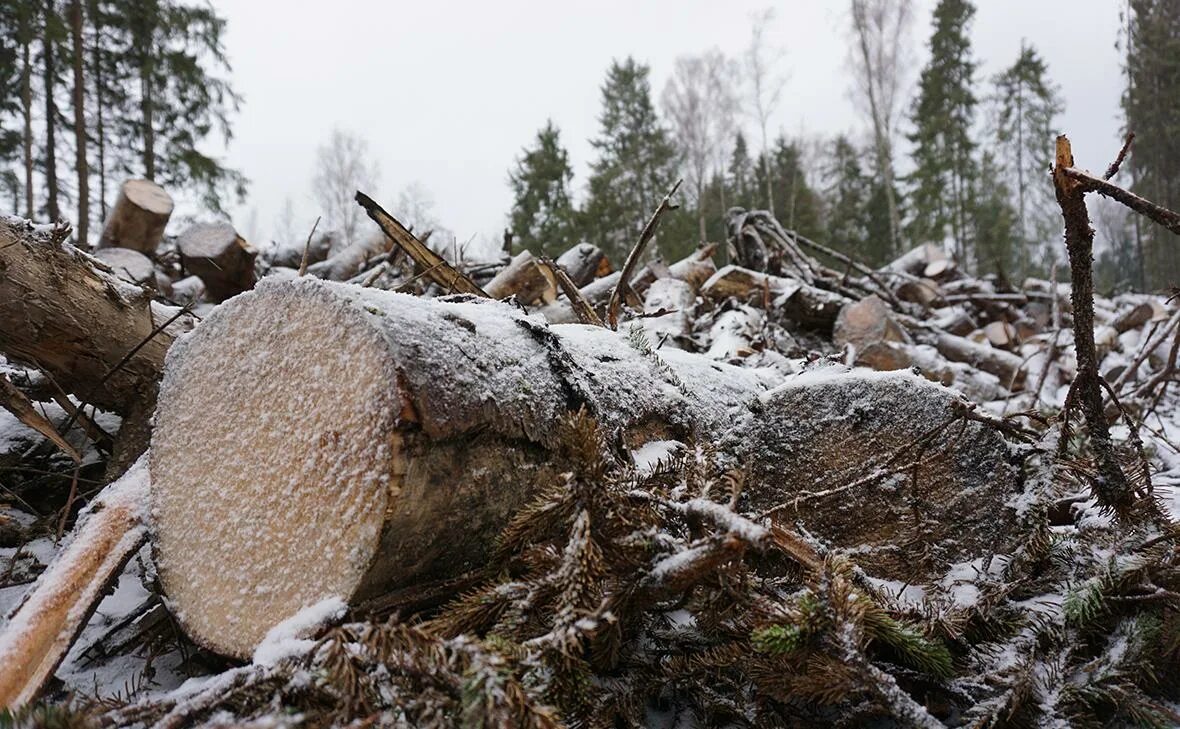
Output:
x,y
389,487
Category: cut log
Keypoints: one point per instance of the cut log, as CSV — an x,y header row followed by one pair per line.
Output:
x,y
220,257
1002,335
1140,314
1004,365
868,321
94,333
809,306
922,291
915,261
407,433
41,630
351,259
825,434
139,217
129,265
581,263
525,278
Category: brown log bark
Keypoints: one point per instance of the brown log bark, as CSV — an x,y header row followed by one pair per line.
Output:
x,y
1004,365
139,217
220,257
68,314
409,432
870,331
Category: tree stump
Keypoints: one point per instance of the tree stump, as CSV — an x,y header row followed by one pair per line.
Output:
x,y
220,257
139,217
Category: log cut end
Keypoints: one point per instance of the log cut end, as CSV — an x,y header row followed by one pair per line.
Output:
x,y
273,468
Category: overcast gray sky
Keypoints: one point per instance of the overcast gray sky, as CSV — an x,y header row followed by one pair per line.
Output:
x,y
447,93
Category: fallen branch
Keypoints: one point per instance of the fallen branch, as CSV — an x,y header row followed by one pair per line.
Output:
x,y
645,236
434,265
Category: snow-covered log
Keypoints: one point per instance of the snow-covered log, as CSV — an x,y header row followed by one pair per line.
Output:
x,y
524,277
69,314
139,217
583,263
220,257
405,433
805,304
39,633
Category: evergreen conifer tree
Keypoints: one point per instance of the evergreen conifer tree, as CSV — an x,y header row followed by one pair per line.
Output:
x,y
636,162
543,218
1026,103
1153,71
943,180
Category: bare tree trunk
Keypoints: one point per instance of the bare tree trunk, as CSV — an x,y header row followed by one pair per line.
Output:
x,y
147,109
80,126
27,113
50,114
100,122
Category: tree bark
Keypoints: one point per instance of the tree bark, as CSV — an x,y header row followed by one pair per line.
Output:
x,y
139,217
27,114
49,74
80,164
68,314
406,433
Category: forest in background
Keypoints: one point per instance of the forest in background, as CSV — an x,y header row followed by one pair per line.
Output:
x,y
95,91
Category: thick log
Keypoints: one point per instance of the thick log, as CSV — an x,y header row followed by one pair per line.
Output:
x,y
809,306
41,630
1002,335
869,330
526,278
220,257
582,263
351,259
1004,365
408,432
139,217
915,261
68,314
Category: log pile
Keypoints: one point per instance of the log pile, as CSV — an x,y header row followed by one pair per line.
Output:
x,y
843,492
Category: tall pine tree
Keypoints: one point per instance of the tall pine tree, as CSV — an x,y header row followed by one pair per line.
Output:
x,y
943,180
174,52
1025,105
1150,103
543,218
636,162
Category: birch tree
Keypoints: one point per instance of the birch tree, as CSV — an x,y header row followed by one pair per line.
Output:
x,y
879,60
765,89
700,104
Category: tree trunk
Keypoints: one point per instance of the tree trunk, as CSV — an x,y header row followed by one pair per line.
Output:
x,y
139,217
50,115
147,110
27,114
80,126
220,257
99,111
405,433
